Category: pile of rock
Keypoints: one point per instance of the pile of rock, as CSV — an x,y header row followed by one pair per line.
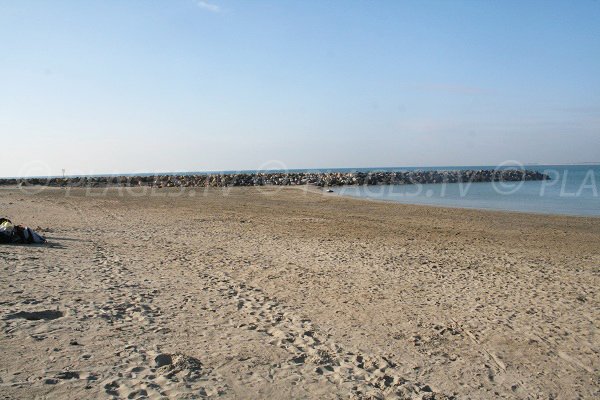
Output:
x,y
289,178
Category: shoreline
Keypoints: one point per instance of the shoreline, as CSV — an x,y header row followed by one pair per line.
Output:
x,y
304,188
493,210
441,207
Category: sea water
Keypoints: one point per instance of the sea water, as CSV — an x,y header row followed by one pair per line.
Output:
x,y
571,190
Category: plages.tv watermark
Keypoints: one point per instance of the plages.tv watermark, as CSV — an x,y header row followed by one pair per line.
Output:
x,y
274,175
37,178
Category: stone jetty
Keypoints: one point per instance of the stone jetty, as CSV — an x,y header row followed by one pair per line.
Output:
x,y
289,178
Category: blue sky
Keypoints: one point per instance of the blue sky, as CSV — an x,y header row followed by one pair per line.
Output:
x,y
185,85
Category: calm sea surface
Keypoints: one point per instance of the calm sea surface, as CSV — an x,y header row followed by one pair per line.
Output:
x,y
573,190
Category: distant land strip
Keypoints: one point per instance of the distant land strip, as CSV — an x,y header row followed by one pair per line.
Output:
x,y
289,178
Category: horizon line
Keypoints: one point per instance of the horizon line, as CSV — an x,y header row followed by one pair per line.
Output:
x,y
331,169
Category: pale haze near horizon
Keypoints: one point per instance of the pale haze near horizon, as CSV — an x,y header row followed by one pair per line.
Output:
x,y
186,85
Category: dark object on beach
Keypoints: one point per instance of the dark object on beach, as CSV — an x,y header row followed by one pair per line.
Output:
x,y
10,233
36,315
329,191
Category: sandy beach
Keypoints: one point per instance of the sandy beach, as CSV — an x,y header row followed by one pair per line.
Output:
x,y
291,293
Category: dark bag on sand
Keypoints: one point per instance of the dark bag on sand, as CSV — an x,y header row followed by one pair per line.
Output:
x,y
10,233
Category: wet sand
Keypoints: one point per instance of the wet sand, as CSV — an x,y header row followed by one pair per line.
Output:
x,y
283,292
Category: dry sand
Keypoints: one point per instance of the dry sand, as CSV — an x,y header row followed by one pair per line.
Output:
x,y
283,293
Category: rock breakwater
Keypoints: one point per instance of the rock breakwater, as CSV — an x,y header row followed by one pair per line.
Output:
x,y
289,178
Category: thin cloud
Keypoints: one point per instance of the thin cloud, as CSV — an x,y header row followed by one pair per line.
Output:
x,y
457,89
449,88
208,6
590,110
